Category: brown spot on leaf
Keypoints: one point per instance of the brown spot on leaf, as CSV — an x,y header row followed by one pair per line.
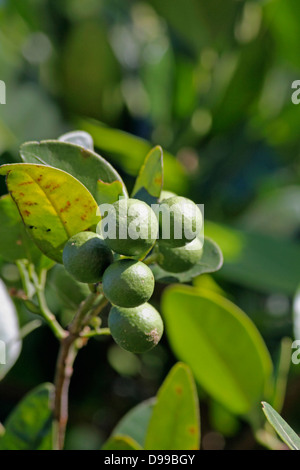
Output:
x,y
178,390
66,208
30,203
192,430
83,217
84,153
24,183
21,194
27,213
19,242
54,187
158,180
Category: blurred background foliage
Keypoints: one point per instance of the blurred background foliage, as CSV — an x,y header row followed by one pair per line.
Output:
x,y
210,81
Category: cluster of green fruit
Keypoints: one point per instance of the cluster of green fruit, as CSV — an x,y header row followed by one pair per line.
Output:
x,y
128,282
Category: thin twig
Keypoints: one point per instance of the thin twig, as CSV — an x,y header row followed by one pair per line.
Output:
x,y
69,348
49,317
64,371
84,308
99,332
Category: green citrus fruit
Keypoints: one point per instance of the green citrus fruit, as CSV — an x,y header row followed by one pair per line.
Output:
x,y
180,221
180,259
132,228
136,329
86,257
166,195
128,283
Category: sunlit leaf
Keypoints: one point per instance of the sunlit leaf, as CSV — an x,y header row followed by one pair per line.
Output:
x,y
53,205
129,152
82,163
108,193
15,243
286,433
135,422
174,424
220,343
149,182
121,443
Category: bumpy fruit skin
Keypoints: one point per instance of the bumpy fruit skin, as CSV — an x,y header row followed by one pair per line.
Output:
x,y
166,195
183,258
136,329
128,283
86,257
184,216
141,218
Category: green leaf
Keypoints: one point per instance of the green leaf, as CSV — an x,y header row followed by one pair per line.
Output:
x,y
260,262
53,205
211,261
222,421
29,427
174,424
81,138
149,182
15,244
10,343
220,343
108,193
84,164
286,433
129,151
121,443
282,374
135,422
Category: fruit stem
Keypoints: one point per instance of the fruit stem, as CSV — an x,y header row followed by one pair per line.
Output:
x,y
99,332
80,320
49,317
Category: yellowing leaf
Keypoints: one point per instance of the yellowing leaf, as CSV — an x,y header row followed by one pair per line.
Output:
x,y
53,205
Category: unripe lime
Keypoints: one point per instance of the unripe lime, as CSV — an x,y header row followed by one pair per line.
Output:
x,y
166,195
180,259
128,283
136,329
86,257
180,221
132,228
